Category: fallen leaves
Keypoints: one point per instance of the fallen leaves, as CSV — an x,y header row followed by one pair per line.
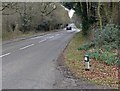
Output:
x,y
100,72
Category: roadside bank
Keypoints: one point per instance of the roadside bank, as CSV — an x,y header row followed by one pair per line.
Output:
x,y
99,74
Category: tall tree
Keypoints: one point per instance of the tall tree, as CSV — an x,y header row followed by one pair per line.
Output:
x,y
99,15
84,17
118,35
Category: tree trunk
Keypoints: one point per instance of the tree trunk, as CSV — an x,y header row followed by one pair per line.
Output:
x,y
99,15
84,17
118,40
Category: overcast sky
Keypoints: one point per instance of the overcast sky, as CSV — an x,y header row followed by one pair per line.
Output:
x,y
70,12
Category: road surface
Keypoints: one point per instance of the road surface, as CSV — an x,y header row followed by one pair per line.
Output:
x,y
35,63
31,63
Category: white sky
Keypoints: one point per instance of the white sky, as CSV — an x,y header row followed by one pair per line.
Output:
x,y
70,12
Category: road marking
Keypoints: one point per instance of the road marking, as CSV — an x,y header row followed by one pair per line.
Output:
x,y
26,46
5,55
36,37
47,34
42,40
51,37
57,34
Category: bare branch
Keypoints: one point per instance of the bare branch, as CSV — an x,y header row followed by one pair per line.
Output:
x,y
7,5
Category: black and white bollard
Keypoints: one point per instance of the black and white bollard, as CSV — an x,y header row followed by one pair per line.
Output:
x,y
87,64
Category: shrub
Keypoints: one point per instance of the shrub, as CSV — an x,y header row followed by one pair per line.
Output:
x,y
44,26
86,46
118,62
105,57
105,41
94,55
106,36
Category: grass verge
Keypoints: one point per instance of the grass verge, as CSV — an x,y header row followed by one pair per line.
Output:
x,y
18,34
100,72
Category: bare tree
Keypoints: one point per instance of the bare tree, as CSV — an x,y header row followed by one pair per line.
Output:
x,y
47,8
6,5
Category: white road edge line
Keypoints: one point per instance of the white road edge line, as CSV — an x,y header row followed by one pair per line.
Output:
x,y
42,40
5,55
50,37
26,46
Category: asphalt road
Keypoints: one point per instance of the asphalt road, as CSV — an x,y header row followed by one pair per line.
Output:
x,y
31,63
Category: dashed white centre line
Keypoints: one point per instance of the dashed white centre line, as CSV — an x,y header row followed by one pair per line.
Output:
x,y
48,34
57,34
51,37
36,37
42,40
5,55
26,46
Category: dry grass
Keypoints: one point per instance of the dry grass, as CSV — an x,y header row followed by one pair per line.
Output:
x,y
16,34
100,73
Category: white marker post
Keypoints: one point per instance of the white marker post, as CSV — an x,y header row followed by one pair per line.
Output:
x,y
87,64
